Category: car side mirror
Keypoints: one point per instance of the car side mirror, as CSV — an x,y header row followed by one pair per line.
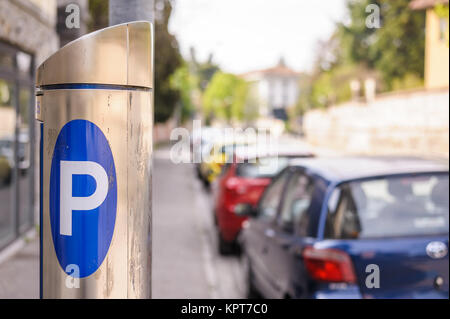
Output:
x,y
244,209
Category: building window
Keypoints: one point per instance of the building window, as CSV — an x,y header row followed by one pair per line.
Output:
x,y
16,140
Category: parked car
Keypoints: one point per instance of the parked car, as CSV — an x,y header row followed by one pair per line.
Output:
x,y
350,228
5,172
202,141
220,153
243,181
6,161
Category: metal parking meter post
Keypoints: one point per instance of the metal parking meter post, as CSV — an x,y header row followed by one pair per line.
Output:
x,y
95,108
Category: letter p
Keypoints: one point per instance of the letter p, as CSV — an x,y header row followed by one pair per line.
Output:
x,y
68,202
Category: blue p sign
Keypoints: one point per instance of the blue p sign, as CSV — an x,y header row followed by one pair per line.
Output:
x,y
83,196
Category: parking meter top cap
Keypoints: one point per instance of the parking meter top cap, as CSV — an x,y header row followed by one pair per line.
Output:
x,y
117,55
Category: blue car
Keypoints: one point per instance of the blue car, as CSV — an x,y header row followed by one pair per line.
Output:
x,y
360,227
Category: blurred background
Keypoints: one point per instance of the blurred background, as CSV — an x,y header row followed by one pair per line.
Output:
x,y
337,77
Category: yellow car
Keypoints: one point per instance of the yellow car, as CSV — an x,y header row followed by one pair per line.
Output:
x,y
212,165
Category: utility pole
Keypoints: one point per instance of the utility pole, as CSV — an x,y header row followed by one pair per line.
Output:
x,y
131,10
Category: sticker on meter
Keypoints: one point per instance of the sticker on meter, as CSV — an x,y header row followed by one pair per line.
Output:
x,y
83,196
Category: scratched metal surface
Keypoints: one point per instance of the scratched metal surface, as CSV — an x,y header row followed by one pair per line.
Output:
x,y
125,117
118,55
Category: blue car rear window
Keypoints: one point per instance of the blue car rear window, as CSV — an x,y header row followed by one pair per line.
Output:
x,y
390,207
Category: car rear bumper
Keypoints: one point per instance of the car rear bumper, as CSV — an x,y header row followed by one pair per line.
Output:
x,y
353,292
350,292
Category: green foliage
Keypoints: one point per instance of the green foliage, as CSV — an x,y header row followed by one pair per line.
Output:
x,y
333,86
167,60
393,54
218,96
409,81
203,70
336,85
225,97
321,90
304,101
396,49
441,10
354,37
186,83
98,11
251,108
401,42
239,100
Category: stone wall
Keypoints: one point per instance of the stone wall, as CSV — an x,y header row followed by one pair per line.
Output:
x,y
403,123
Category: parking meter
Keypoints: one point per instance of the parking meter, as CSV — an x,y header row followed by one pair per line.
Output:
x,y
95,108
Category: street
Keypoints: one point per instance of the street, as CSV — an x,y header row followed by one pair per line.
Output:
x,y
157,149
185,259
186,263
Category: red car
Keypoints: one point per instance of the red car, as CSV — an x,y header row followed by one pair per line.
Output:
x,y
243,181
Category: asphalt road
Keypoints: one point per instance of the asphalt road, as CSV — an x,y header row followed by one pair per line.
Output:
x,y
186,263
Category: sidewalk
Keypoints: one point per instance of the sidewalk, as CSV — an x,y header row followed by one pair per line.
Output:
x,y
174,239
19,275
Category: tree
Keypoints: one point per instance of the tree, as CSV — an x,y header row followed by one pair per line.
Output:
x,y
329,82
98,11
396,49
203,70
392,54
167,60
225,97
191,80
186,83
304,101
238,106
441,9
354,37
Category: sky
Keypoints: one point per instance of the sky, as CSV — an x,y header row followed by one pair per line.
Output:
x,y
246,35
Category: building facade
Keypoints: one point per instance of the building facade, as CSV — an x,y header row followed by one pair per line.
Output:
x,y
275,89
27,37
436,43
